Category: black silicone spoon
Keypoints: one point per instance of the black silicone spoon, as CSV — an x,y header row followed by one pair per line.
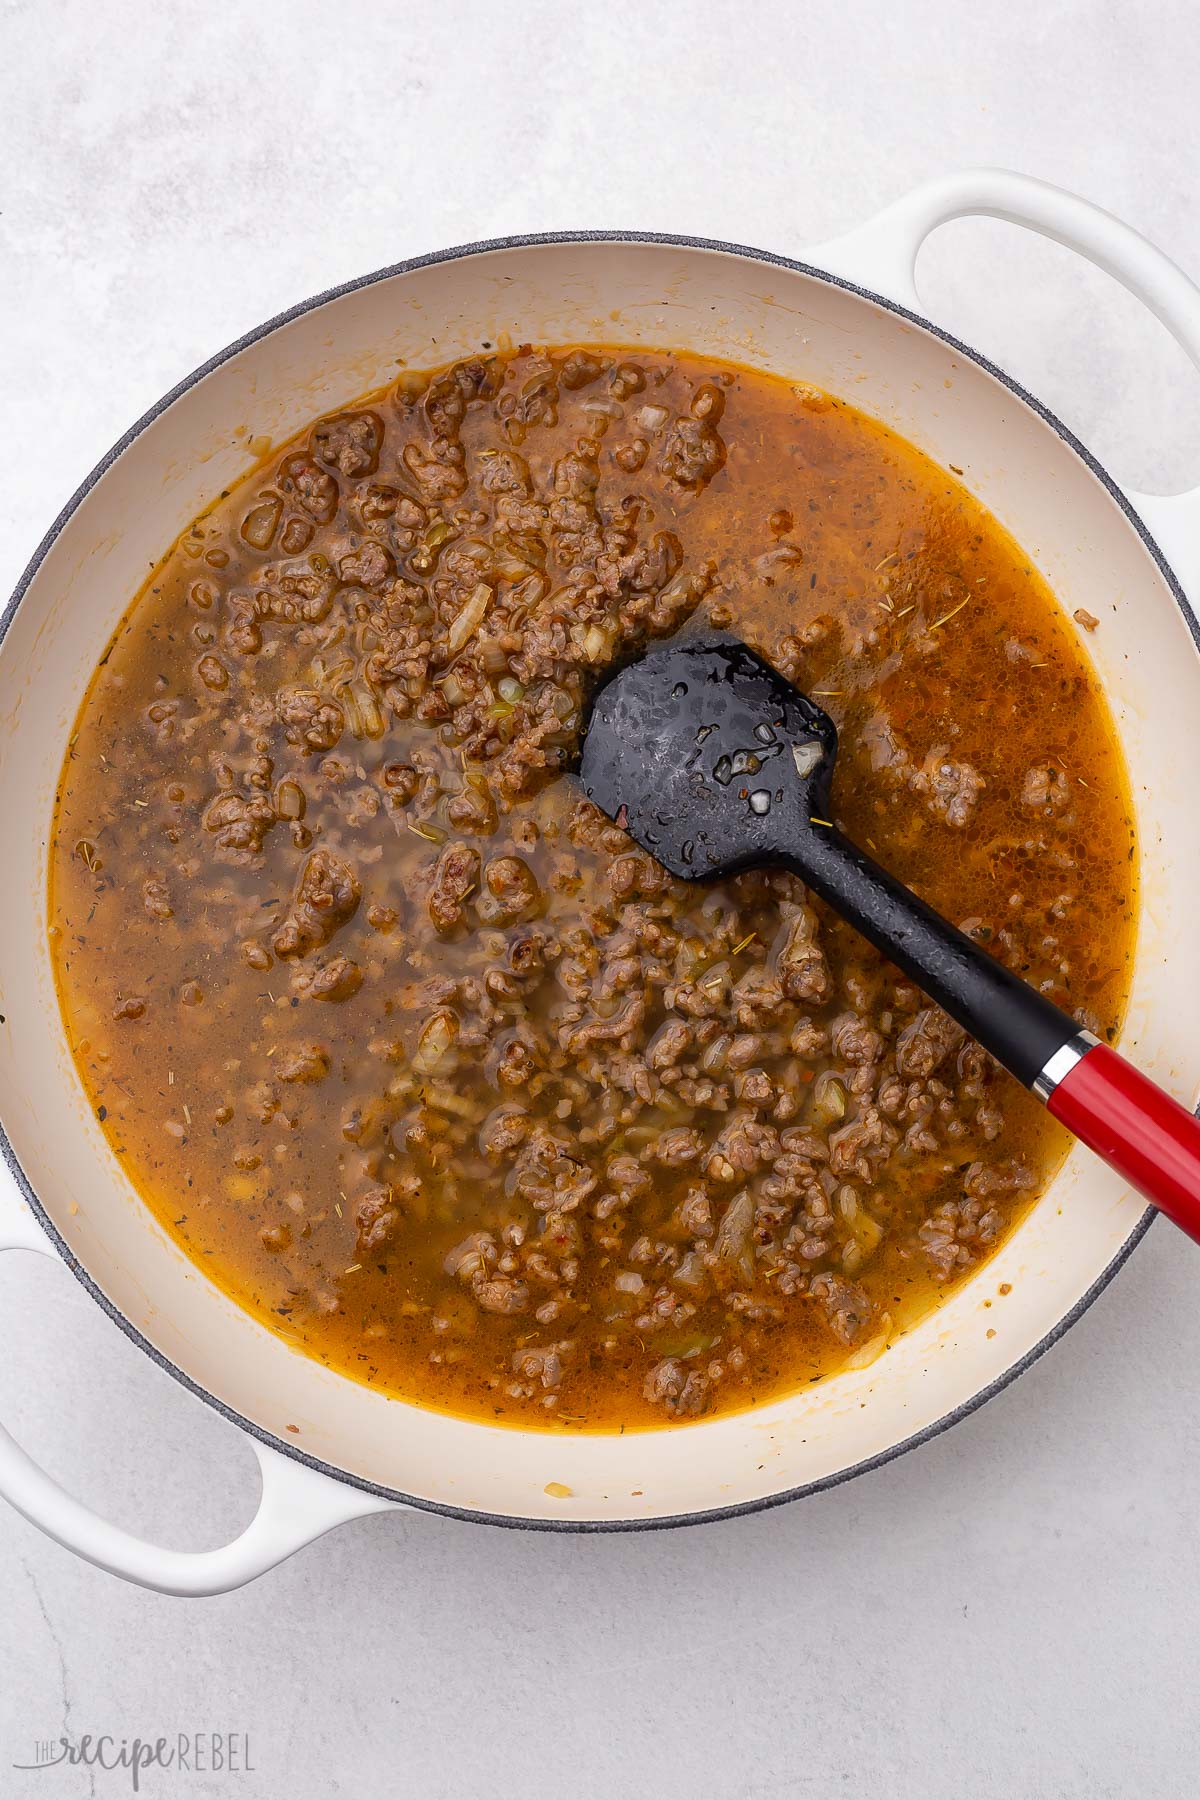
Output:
x,y
714,763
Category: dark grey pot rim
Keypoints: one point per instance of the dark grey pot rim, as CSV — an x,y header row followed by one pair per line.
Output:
x,y
335,1473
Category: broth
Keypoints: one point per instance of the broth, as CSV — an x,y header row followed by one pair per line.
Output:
x,y
413,1051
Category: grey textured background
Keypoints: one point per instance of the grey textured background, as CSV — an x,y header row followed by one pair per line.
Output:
x,y
1012,1611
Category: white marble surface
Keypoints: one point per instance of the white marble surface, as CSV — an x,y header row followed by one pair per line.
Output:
x,y
1012,1611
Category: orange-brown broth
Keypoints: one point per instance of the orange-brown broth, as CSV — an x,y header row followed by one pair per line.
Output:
x,y
944,640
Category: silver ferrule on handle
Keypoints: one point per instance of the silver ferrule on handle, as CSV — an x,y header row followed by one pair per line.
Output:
x,y
1062,1062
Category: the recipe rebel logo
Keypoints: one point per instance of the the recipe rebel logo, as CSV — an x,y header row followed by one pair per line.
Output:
x,y
186,1753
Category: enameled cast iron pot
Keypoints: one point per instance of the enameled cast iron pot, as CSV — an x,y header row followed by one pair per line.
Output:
x,y
845,318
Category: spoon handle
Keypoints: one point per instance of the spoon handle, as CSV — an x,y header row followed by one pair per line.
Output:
x,y
1140,1131
1149,1138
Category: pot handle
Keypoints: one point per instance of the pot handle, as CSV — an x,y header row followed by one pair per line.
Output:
x,y
297,1505
881,256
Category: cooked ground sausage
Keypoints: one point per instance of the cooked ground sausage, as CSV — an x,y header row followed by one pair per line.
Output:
x,y
413,1049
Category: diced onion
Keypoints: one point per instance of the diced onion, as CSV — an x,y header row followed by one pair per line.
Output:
x,y
445,1100
363,713
776,562
436,1044
529,592
470,618
331,674
691,1272
598,643
493,656
873,1348
733,1244
289,800
510,567
259,524
829,1099
453,689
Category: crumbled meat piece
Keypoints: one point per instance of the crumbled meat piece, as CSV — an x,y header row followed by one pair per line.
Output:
x,y
1045,790
297,536
683,1394
474,1256
503,1131
696,1214
510,891
636,877
626,1174
847,1309
808,1039
754,1088
306,1063
349,442
337,978
369,567
455,879
743,1146
678,1147
803,971
447,396
985,1181
310,720
240,822
439,480
604,1030
579,370
376,1217
855,1148
375,503
243,634
327,896
924,1045
296,599
953,787
854,1041
501,1294
310,486
669,1045
156,898
515,1064
542,1367
694,449
506,473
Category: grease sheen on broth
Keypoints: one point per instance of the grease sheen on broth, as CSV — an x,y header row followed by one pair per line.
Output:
x,y
413,1051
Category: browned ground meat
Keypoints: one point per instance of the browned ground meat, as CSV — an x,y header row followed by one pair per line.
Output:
x,y
414,1049
327,895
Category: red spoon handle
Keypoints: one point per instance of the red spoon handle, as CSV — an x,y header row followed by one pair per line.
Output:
x,y
1139,1131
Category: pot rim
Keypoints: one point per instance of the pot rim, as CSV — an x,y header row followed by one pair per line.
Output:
x,y
458,253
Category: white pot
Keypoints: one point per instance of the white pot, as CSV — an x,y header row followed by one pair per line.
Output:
x,y
848,324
